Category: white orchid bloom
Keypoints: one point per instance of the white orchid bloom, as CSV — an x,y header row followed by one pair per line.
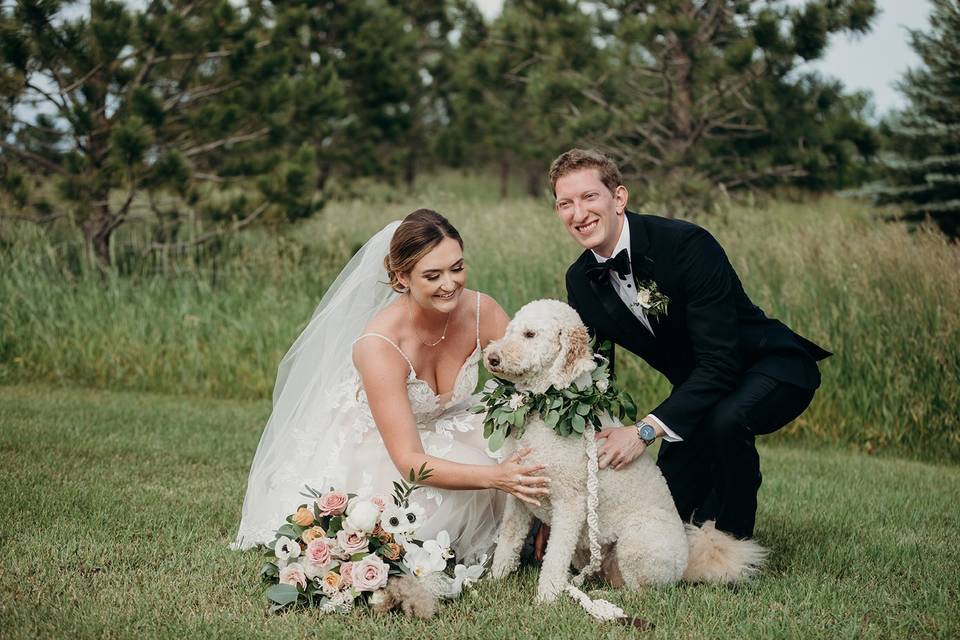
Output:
x,y
422,562
439,546
464,576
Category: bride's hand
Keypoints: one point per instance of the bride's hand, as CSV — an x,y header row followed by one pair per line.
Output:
x,y
520,480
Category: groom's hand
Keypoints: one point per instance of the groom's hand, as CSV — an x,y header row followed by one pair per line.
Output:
x,y
621,446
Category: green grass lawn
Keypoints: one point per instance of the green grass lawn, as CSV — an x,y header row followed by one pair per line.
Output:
x,y
117,509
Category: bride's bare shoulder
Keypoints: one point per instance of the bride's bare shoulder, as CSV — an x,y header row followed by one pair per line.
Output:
x,y
373,349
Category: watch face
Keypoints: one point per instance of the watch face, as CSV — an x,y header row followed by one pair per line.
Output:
x,y
647,433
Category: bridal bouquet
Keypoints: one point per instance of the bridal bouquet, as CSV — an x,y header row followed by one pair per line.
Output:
x,y
343,550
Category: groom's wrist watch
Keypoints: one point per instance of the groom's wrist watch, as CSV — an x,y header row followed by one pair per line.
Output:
x,y
647,433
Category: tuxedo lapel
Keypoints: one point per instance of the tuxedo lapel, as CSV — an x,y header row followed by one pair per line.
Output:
x,y
641,262
627,328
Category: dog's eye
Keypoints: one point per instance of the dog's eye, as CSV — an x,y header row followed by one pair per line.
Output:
x,y
529,334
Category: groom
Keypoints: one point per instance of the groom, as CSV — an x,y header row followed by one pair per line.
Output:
x,y
665,290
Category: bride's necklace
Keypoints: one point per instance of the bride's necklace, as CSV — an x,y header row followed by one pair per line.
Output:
x,y
422,341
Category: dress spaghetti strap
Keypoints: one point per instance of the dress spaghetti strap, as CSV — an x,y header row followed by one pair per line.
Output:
x,y
478,319
394,344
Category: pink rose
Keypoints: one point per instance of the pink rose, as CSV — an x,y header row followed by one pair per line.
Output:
x,y
293,574
318,552
346,573
370,573
333,503
352,542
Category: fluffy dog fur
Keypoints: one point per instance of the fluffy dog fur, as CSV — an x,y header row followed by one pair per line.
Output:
x,y
406,593
644,541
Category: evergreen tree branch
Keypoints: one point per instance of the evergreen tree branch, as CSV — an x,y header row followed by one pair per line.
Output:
x,y
212,146
29,156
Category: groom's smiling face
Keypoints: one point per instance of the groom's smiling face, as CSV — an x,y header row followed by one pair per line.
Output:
x,y
592,214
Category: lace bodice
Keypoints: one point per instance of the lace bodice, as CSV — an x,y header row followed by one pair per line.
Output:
x,y
426,405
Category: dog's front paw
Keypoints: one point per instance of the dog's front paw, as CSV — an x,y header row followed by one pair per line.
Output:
x,y
547,592
500,570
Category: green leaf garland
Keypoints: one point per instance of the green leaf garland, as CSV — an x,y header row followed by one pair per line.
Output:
x,y
566,411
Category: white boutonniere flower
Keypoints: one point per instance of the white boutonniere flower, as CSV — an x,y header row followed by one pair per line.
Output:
x,y
650,298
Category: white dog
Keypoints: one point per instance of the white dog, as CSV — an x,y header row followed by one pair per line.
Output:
x,y
643,540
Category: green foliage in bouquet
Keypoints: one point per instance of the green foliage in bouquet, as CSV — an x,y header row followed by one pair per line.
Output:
x,y
341,549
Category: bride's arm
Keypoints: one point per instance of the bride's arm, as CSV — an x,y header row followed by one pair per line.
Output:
x,y
384,375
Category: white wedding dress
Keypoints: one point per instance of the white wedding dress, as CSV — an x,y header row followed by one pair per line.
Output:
x,y
330,440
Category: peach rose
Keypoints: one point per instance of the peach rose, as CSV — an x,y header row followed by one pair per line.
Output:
x,y
346,573
318,552
390,551
312,534
332,582
293,574
303,517
333,503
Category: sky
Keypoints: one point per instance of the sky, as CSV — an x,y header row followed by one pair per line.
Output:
x,y
872,62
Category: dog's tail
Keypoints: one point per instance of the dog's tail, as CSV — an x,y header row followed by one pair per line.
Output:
x,y
716,556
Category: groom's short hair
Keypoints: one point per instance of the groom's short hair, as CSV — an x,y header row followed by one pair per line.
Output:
x,y
577,159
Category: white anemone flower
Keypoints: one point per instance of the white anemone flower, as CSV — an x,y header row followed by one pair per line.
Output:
x,y
286,549
394,520
413,513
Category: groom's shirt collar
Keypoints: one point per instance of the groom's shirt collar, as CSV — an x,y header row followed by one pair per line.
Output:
x,y
622,243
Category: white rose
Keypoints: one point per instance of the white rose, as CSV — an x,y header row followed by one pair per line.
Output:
x,y
362,516
643,298
603,384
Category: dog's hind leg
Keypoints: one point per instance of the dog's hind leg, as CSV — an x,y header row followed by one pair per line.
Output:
x,y
513,532
651,550
566,522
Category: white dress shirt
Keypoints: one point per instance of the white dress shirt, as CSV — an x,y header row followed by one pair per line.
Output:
x,y
627,292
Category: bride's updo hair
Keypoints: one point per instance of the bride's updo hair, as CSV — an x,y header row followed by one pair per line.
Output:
x,y
416,236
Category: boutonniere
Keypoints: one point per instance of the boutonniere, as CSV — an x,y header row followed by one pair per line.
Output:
x,y
649,297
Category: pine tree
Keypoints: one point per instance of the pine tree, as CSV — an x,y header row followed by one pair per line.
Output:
x,y
189,99
685,94
924,159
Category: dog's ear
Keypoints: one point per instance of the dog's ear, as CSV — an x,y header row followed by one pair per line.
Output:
x,y
577,358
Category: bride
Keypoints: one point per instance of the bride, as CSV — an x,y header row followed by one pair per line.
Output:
x,y
380,382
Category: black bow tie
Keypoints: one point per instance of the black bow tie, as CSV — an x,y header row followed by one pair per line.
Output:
x,y
620,264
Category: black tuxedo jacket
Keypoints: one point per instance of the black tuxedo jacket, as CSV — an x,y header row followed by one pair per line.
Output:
x,y
711,335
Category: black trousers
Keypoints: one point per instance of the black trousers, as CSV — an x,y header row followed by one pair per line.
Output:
x,y
714,474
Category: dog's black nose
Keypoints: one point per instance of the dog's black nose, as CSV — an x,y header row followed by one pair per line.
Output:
x,y
493,360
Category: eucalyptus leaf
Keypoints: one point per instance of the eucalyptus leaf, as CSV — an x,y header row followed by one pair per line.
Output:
x,y
282,594
578,423
496,439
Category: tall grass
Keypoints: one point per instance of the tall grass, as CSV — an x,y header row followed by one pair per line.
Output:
x,y
886,301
